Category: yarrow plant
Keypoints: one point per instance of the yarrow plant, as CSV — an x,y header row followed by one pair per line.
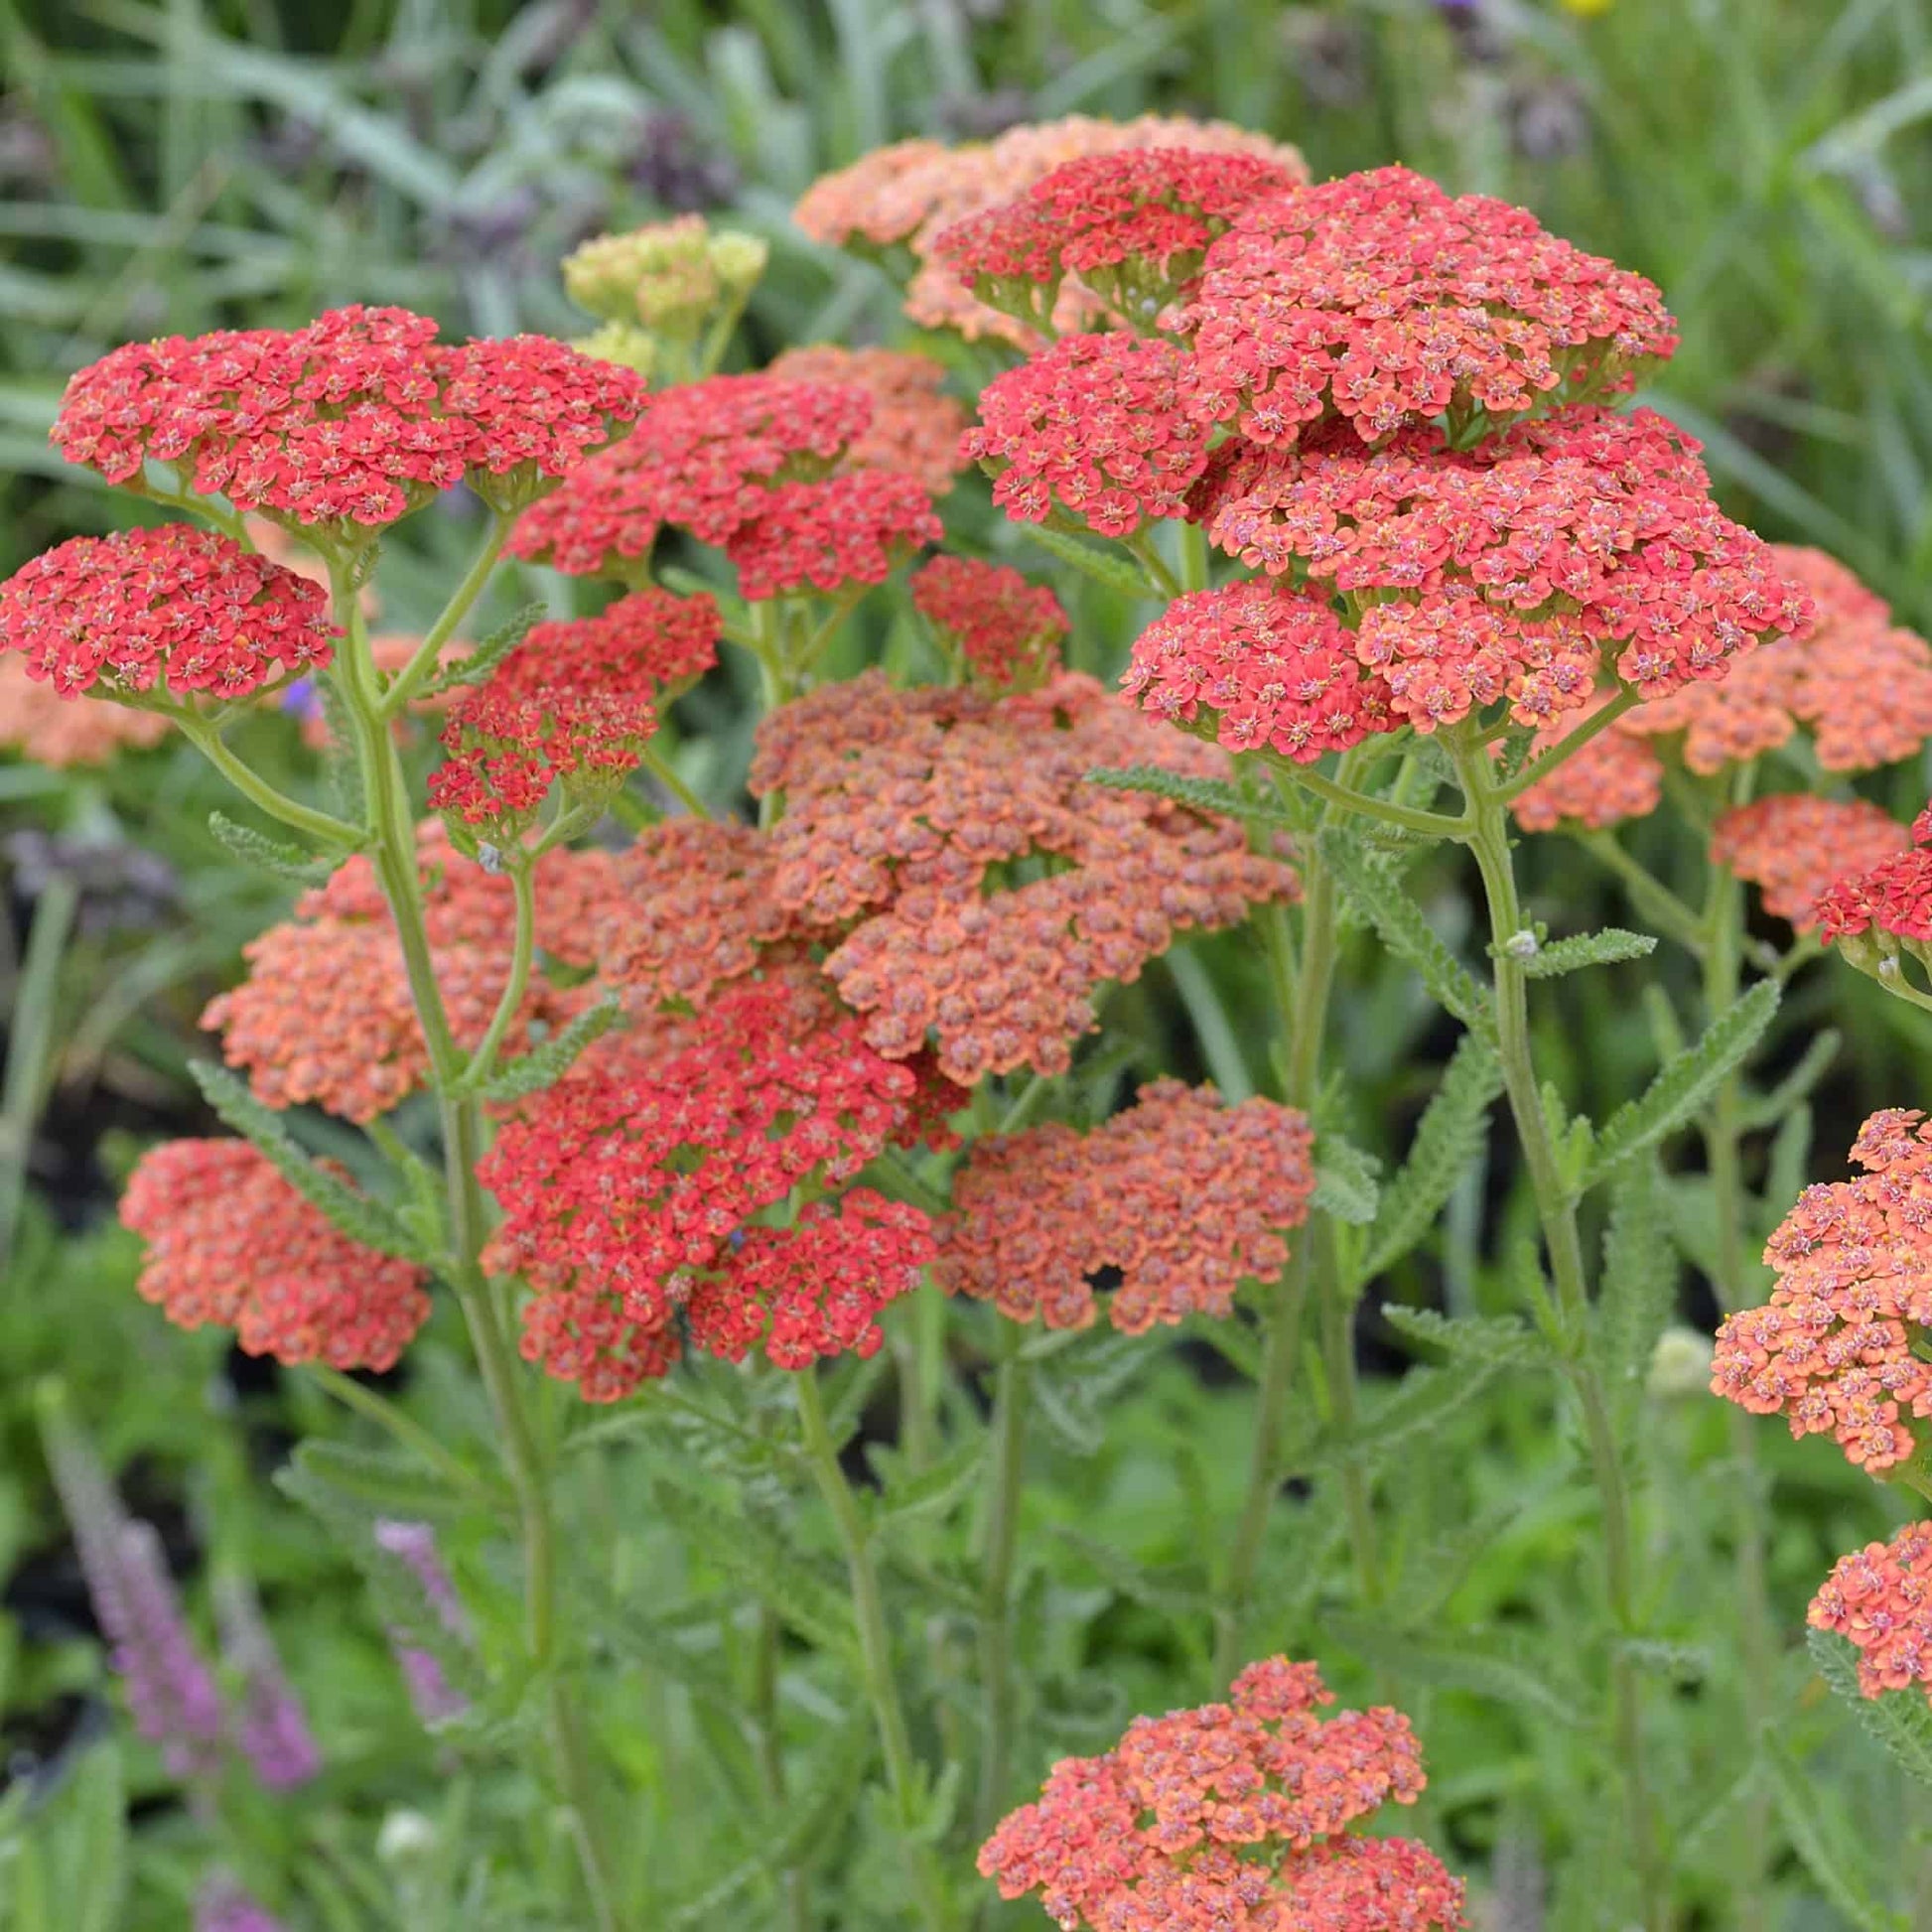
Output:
x,y
725,1012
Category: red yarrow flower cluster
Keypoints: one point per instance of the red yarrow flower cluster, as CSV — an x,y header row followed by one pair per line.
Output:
x,y
1132,227
1007,630
630,1197
899,805
1890,901
854,528
1590,529
1091,429
1880,1598
1383,300
1179,1196
648,636
176,607
351,422
703,461
915,426
1832,1349
1232,1818
1795,846
230,1242
325,1015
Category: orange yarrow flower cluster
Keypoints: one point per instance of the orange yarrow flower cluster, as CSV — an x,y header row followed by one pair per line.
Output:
x,y
1232,1818
1381,300
632,1195
1007,630
901,804
1180,1196
915,426
325,1015
1601,783
914,191
1795,846
230,1242
1832,1349
1880,1598
43,726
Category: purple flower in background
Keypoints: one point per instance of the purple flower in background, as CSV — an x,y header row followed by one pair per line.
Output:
x,y
171,1693
222,1906
273,1731
436,1698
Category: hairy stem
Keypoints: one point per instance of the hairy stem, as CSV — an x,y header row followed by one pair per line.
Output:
x,y
875,1650
1005,1472
1556,1212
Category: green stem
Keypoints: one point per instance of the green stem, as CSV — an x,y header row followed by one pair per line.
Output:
x,y
403,686
1434,824
1556,1212
1012,1388
407,1430
772,1757
31,1036
1193,558
1338,1365
319,826
522,953
1648,894
661,769
874,1649
1722,1131
1597,720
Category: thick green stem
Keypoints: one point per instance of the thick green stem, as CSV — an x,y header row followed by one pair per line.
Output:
x,y
874,1652
30,1041
1337,792
319,826
1004,1475
1722,1131
1557,1210
792,1883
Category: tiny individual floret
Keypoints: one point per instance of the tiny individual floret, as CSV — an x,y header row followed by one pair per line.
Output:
x,y
899,803
1132,227
1880,1598
1605,780
915,426
703,461
1796,846
229,1241
854,528
1232,1818
628,1194
348,423
173,608
1007,630
1384,301
1090,430
1832,1349
41,725
1178,1199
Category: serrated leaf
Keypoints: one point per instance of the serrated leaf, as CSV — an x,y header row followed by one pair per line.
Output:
x,y
547,1063
933,1491
348,1208
1072,1391
1499,1339
1449,1138
381,1485
1207,796
1638,1294
1493,1667
1346,1180
1829,1851
1172,1591
1610,947
1900,1720
271,856
1376,892
1103,566
476,667
1430,1575
1418,1405
1680,1663
1684,1084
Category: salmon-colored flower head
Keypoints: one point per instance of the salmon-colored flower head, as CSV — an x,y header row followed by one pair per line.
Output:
x,y
1796,846
915,426
1232,1818
853,528
325,1015
631,1197
1611,777
351,422
1132,227
39,724
1091,428
1587,529
174,606
1832,1349
1384,301
230,1242
1880,1598
899,806
1007,630
1179,1197
915,190
703,461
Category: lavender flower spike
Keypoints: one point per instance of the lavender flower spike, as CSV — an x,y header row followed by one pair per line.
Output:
x,y
273,1732
436,1698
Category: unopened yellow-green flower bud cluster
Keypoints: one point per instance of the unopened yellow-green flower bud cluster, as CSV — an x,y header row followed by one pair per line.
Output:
x,y
672,278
